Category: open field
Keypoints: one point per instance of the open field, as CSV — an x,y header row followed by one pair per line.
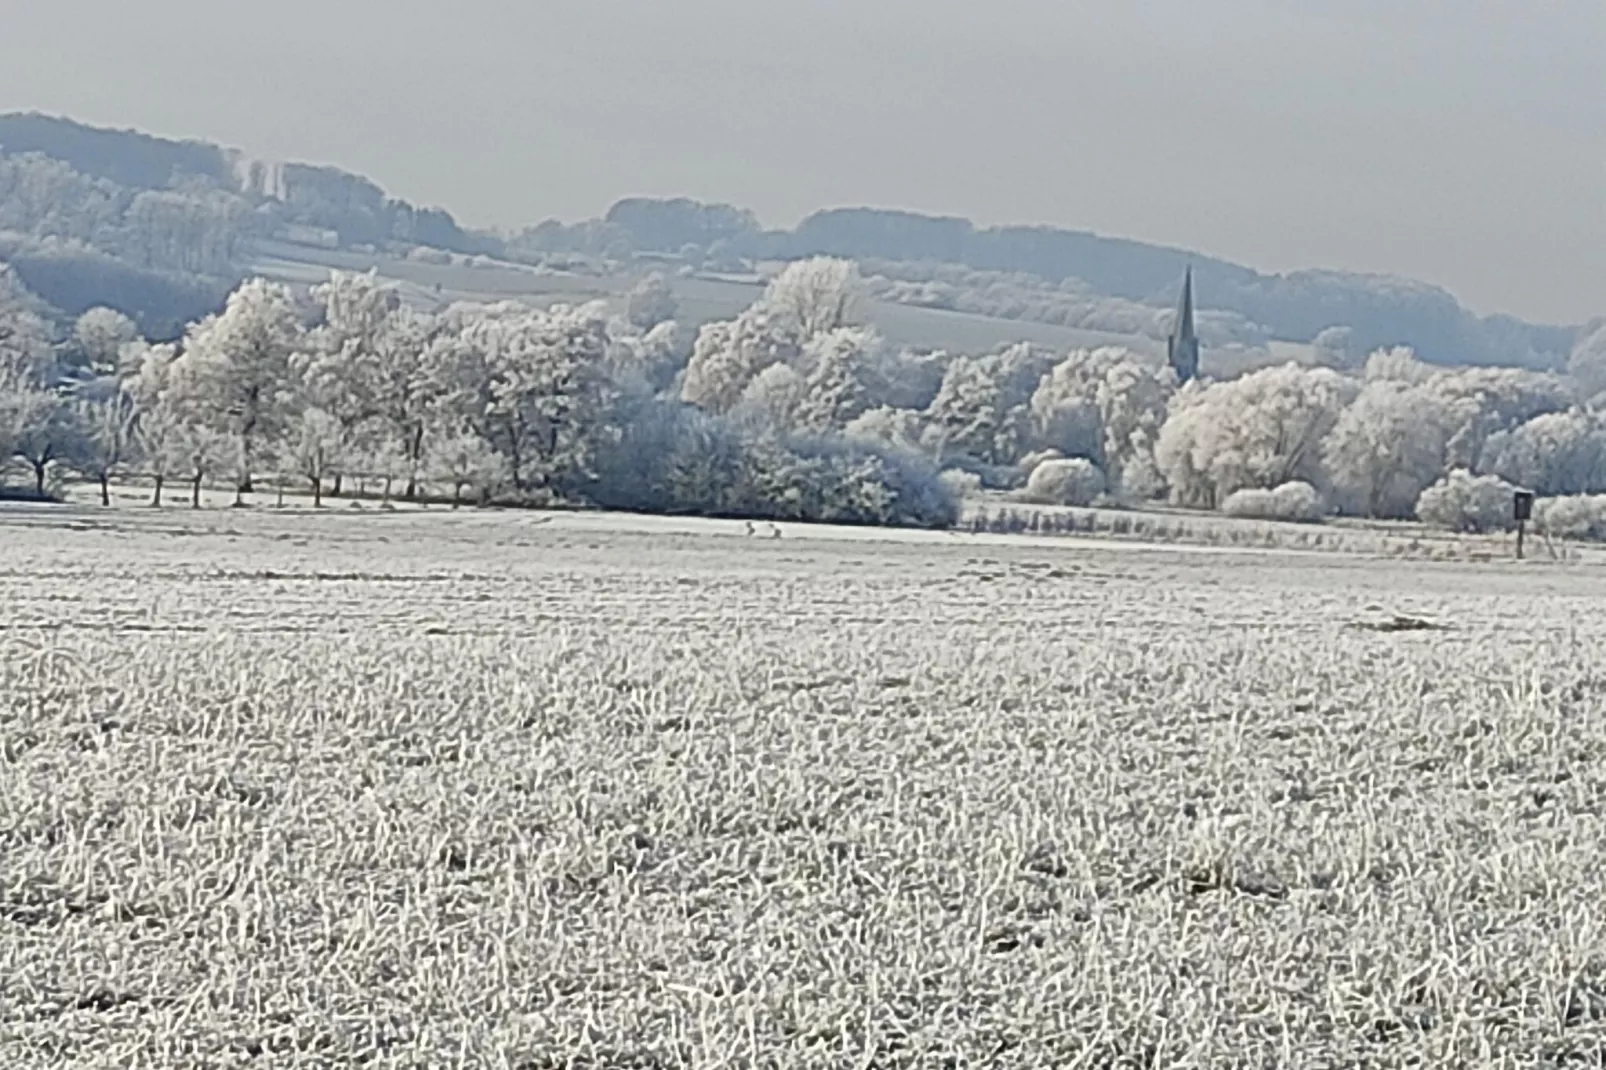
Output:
x,y
515,790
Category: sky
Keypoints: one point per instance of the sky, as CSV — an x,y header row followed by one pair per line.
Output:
x,y
1462,142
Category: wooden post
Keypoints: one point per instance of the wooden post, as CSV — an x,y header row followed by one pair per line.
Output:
x,y
1522,510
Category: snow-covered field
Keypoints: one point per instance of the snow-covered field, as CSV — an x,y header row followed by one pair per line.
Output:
x,y
428,789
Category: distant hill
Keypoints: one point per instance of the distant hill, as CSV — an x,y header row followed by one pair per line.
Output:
x,y
1381,310
161,230
91,215
126,157
354,207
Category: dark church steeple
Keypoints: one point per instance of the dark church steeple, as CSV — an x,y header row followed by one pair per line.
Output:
x,y
1182,348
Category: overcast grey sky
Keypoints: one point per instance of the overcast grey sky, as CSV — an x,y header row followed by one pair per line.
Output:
x,y
1458,141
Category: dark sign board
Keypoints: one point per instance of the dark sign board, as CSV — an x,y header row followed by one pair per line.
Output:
x,y
1523,505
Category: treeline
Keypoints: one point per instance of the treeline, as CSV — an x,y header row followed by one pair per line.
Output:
x,y
793,409
485,404
1389,437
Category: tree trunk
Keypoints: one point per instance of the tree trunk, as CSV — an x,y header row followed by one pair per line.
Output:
x,y
156,498
105,491
39,477
278,501
415,461
387,489
334,492
457,495
239,494
195,491
317,492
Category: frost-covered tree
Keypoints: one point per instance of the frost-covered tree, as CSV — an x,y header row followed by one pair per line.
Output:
x,y
1387,447
1556,454
369,364
1262,430
1465,502
1580,516
1489,400
651,302
107,440
535,388
817,296
1399,364
26,353
903,429
465,461
982,409
1587,366
159,417
40,427
200,453
100,335
1107,405
960,483
338,367
1065,416
728,356
775,396
840,379
316,446
1480,402
235,370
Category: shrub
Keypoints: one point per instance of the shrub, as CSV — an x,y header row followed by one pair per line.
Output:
x,y
960,484
674,458
837,480
1077,481
1581,516
1462,501
1297,501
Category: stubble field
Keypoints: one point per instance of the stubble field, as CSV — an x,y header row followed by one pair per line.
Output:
x,y
476,790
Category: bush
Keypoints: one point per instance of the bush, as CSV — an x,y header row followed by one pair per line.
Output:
x,y
1462,501
960,484
1581,516
838,480
1296,501
1077,481
675,458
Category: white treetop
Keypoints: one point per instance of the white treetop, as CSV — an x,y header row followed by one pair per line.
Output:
x,y
1262,430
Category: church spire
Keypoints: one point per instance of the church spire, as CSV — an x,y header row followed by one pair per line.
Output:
x,y
1184,327
1182,348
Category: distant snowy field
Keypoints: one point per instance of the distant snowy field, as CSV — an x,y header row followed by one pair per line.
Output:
x,y
423,788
